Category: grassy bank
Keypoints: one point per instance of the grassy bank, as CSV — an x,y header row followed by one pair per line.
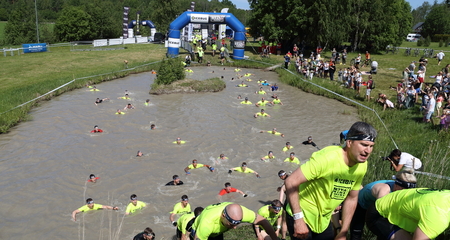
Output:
x,y
189,86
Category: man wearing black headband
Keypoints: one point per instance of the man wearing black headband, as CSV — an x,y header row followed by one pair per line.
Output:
x,y
90,205
331,175
134,205
371,192
147,234
272,212
180,208
221,217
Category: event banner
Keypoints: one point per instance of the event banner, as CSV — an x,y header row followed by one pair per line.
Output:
x,y
34,47
126,10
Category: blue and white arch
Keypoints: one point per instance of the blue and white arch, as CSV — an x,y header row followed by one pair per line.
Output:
x,y
206,18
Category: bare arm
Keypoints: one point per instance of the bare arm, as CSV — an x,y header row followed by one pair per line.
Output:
x,y
282,193
171,217
348,209
109,207
186,170
380,190
292,183
74,214
397,167
266,225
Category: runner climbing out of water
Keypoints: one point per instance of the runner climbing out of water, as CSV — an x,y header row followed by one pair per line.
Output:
x,y
182,207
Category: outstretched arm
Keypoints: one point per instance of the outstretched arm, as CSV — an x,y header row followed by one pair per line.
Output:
x,y
74,214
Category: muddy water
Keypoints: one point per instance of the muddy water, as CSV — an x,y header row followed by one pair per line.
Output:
x,y
45,162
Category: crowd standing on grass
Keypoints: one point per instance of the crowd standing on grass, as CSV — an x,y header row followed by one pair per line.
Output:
x,y
324,197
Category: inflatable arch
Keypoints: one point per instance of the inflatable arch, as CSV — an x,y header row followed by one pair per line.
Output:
x,y
148,23
205,18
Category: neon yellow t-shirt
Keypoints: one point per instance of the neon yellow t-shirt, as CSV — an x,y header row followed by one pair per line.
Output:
x,y
125,98
274,133
240,169
262,114
131,208
85,208
295,160
178,208
208,223
261,92
329,182
261,103
276,101
183,221
120,113
286,148
242,85
270,216
425,208
244,102
181,142
269,157
199,165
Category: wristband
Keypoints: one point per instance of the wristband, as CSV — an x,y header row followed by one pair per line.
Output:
x,y
278,226
298,215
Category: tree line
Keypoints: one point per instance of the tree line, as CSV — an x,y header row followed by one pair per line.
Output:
x,y
365,24
77,20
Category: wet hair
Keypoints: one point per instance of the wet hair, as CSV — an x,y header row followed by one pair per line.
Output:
x,y
133,196
270,152
227,184
406,175
149,231
276,203
184,197
395,153
197,211
362,131
148,100
152,126
91,176
88,200
175,176
195,160
288,143
281,173
96,126
292,153
244,163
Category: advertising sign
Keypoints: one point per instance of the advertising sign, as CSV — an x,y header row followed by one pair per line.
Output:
x,y
217,18
199,18
34,47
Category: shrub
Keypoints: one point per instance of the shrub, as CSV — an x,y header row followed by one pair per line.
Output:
x,y
170,71
427,42
441,42
420,42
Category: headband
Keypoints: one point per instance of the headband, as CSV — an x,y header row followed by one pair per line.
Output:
x,y
404,184
362,137
229,219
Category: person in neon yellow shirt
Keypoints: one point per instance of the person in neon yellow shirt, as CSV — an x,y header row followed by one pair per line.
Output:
x,y
268,156
134,205
184,223
261,91
261,113
277,101
180,208
292,159
221,217
90,206
119,112
147,102
263,102
332,176
288,146
246,101
420,213
179,141
195,165
274,132
242,84
272,213
243,169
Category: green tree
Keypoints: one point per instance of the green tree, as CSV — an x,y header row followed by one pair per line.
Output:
x,y
164,12
419,14
73,24
437,21
170,71
21,26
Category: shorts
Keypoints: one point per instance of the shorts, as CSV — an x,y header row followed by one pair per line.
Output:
x,y
179,233
368,91
429,113
379,225
325,235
